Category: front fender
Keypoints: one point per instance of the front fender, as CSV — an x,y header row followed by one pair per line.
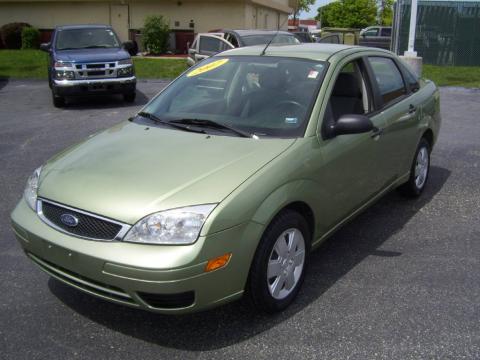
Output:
x,y
303,191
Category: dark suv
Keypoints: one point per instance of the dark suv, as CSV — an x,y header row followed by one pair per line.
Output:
x,y
89,60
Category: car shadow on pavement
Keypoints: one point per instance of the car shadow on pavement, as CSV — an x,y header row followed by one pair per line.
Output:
x,y
237,322
103,102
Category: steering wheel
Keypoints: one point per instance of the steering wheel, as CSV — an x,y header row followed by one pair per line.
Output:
x,y
291,103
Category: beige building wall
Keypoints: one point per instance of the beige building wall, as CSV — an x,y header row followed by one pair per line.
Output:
x,y
130,14
260,17
47,15
205,15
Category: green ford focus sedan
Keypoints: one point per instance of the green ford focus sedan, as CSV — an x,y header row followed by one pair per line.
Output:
x,y
224,183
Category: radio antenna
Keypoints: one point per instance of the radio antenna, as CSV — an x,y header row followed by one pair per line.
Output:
x,y
273,37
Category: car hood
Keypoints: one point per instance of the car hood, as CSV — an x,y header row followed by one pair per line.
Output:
x,y
92,55
130,170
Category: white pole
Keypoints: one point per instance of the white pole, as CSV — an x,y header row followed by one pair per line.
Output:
x,y
413,26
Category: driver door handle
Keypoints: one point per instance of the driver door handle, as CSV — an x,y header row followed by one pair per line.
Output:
x,y
377,132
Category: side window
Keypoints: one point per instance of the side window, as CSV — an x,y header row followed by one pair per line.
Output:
x,y
350,93
410,78
232,40
388,78
371,32
387,32
212,45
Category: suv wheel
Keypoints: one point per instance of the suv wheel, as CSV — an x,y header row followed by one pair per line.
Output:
x,y
279,266
130,97
58,101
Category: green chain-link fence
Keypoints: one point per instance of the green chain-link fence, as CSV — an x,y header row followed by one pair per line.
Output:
x,y
448,32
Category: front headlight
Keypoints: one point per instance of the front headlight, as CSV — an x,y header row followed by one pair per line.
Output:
x,y
64,75
172,227
126,71
30,193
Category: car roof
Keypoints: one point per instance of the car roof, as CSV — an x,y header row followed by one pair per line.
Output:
x,y
312,51
89,26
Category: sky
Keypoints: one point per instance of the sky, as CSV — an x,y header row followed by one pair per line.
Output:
x,y
313,9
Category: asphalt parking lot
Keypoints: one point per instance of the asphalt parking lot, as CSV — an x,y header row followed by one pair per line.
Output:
x,y
402,281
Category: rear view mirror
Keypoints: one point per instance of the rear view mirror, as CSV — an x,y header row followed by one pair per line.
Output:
x,y
45,47
352,124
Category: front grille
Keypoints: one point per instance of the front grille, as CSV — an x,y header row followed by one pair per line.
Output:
x,y
95,70
88,226
96,73
168,301
95,66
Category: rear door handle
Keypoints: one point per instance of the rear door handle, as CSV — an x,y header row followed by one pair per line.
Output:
x,y
412,109
377,133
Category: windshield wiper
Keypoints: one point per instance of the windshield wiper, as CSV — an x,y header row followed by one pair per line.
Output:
x,y
213,124
168,123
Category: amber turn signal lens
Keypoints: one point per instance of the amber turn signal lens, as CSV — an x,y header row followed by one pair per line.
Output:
x,y
218,262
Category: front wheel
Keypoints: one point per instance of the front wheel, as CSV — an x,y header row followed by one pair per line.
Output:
x,y
279,265
58,101
419,171
130,97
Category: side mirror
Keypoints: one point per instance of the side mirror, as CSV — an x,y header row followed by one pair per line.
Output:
x,y
45,47
131,47
352,124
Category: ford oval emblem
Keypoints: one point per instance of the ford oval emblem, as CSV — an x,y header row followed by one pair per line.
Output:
x,y
69,220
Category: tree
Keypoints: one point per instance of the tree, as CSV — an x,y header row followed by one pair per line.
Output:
x,y
386,12
348,14
301,5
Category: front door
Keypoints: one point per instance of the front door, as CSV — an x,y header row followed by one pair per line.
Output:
x,y
119,20
353,166
209,45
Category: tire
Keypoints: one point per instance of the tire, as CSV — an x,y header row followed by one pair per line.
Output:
x,y
419,171
272,269
130,97
58,101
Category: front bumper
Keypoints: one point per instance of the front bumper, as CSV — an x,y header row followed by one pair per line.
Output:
x,y
94,86
163,279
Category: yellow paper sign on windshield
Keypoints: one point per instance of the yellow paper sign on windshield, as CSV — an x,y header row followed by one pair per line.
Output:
x,y
206,68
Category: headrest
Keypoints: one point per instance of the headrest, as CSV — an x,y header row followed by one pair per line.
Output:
x,y
272,79
347,86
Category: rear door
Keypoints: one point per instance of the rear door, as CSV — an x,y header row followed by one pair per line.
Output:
x,y
401,109
209,45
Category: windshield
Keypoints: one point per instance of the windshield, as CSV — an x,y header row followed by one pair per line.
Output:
x,y
252,40
264,96
86,38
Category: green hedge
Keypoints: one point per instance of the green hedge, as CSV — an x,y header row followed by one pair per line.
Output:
x,y
11,34
30,38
